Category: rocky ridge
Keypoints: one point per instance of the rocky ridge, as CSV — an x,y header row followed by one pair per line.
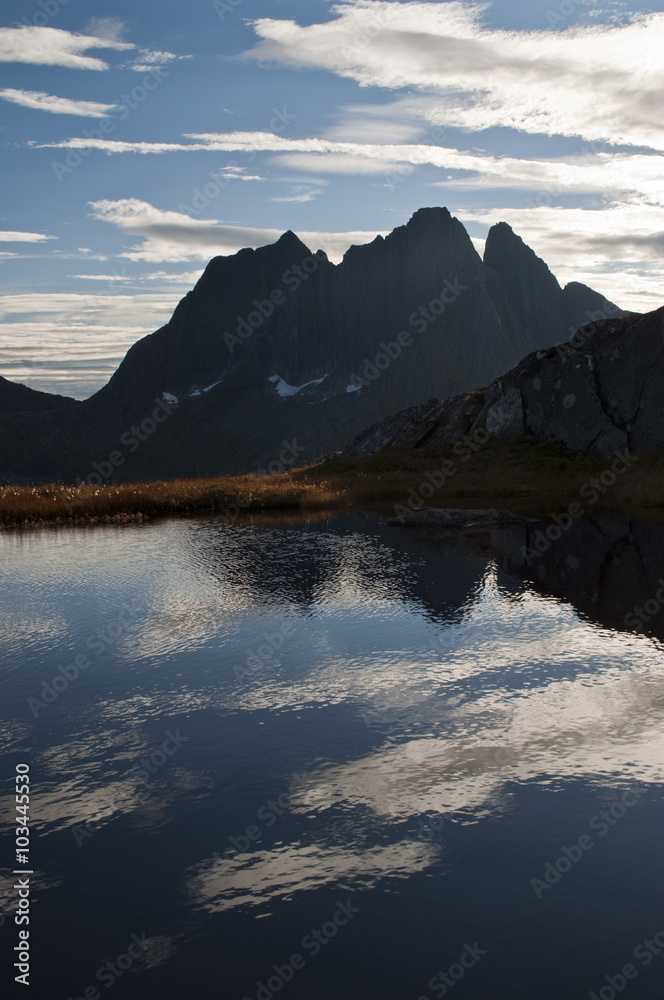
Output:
x,y
599,392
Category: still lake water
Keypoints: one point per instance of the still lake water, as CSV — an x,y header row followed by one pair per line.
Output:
x,y
327,758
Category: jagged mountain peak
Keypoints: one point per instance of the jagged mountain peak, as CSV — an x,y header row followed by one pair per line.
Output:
x,y
228,268
508,254
429,223
435,213
290,240
534,292
288,246
300,348
359,249
502,227
501,239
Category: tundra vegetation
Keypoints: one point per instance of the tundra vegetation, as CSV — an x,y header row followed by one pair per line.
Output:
x,y
525,476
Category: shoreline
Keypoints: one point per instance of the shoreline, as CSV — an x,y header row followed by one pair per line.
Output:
x,y
527,478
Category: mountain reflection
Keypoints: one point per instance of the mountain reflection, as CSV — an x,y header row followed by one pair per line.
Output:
x,y
609,569
304,564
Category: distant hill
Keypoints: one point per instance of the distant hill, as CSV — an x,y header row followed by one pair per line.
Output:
x,y
14,396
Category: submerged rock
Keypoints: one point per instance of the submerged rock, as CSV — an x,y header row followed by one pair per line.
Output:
x,y
455,518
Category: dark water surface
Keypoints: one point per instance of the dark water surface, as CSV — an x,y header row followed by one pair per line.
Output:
x,y
328,758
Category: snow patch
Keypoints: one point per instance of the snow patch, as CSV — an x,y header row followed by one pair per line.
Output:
x,y
199,392
353,388
284,389
168,397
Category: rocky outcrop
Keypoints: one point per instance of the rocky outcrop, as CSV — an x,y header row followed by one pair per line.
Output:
x,y
278,356
448,420
599,392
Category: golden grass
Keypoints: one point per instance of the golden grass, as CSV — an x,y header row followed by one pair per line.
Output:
x,y
133,501
523,476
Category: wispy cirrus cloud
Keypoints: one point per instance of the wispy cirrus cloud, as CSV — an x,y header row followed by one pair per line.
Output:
x,y
183,279
41,101
586,171
54,47
299,194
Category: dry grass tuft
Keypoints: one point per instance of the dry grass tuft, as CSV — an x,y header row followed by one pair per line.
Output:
x,y
133,501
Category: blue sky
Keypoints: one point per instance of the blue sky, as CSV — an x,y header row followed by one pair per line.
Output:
x,y
141,139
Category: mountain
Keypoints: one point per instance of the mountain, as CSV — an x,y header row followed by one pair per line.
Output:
x,y
600,392
17,397
539,302
278,356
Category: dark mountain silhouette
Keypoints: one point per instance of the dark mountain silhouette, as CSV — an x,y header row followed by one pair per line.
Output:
x,y
15,396
539,302
278,356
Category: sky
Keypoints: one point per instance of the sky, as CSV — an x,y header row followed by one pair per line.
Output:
x,y
141,139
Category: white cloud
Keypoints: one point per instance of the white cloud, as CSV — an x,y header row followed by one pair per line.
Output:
x,y
185,278
54,47
9,237
235,174
269,142
41,101
600,82
120,146
172,236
